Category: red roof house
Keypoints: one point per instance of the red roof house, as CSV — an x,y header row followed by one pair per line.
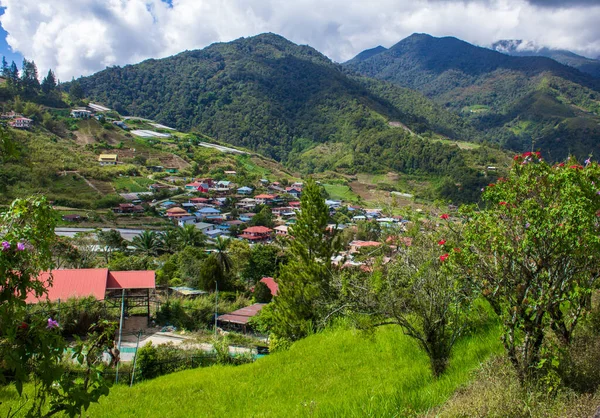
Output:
x,y
256,233
271,284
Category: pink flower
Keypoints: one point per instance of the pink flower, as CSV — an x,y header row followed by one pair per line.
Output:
x,y
444,216
503,203
442,242
444,257
20,246
5,246
52,324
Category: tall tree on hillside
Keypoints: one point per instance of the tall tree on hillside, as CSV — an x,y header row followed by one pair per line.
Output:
x,y
220,246
5,68
12,79
49,83
305,292
30,83
75,91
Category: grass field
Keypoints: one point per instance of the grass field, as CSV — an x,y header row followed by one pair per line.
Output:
x,y
337,373
341,192
132,184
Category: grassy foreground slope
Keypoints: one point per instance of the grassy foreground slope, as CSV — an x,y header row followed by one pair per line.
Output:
x,y
337,373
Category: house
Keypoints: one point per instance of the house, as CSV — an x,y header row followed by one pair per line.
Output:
x,y
208,211
275,188
214,233
265,199
294,192
246,203
197,186
199,200
21,123
205,227
168,204
244,190
238,320
246,217
81,114
298,185
295,205
176,212
256,234
128,208
226,226
186,220
11,115
108,159
359,218
72,218
333,204
120,124
357,245
230,173
281,230
264,182
171,170
222,186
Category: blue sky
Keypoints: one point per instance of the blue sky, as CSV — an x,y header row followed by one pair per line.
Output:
x,y
5,50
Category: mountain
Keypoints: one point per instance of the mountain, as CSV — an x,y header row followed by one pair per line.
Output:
x,y
518,102
368,53
291,103
520,48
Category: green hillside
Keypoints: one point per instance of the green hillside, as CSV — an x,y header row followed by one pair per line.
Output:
x,y
517,102
336,373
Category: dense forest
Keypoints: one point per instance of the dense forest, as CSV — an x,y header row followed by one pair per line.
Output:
x,y
517,102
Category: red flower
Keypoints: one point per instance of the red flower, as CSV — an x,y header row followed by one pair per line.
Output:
x,y
576,167
491,185
539,154
442,242
516,157
444,257
23,325
503,203
444,216
527,154
561,165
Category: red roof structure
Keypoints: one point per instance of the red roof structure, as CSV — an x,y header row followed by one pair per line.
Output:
x,y
241,316
140,279
271,284
80,283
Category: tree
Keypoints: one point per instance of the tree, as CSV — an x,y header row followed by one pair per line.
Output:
x,y
170,240
262,262
220,246
211,272
5,68
109,242
262,293
75,91
31,346
49,83
147,243
533,252
190,236
64,254
86,245
12,80
29,79
263,218
305,293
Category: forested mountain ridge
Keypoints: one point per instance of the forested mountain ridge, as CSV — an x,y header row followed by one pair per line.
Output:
x,y
518,102
264,92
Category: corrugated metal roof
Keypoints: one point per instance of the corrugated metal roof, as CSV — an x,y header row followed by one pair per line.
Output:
x,y
271,284
242,316
76,283
144,279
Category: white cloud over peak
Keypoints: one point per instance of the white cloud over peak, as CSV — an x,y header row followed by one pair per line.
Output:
x,y
79,37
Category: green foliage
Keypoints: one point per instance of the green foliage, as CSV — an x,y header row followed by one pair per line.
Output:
x,y
263,261
531,253
305,294
262,293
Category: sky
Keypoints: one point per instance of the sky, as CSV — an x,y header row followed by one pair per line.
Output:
x,y
80,37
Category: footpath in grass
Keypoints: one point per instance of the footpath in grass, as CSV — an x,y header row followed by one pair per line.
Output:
x,y
336,373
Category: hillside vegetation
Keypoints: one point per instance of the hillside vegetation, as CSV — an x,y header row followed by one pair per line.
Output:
x,y
517,102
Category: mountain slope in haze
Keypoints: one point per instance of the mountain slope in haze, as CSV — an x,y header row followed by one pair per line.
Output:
x,y
515,101
520,48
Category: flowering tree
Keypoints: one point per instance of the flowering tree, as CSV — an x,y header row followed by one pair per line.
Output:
x,y
533,253
31,347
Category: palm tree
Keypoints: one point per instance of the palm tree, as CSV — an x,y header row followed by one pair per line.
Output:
x,y
191,236
170,240
221,244
148,243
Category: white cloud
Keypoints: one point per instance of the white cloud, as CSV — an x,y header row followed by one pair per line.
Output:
x,y
79,37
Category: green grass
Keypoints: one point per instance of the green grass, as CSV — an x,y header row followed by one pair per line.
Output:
x,y
337,373
132,184
340,192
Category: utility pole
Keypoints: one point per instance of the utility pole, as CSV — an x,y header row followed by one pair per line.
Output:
x,y
120,333
216,304
135,357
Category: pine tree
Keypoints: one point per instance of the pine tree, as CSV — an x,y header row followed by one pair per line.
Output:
x,y
29,79
49,83
75,92
305,292
12,80
5,69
